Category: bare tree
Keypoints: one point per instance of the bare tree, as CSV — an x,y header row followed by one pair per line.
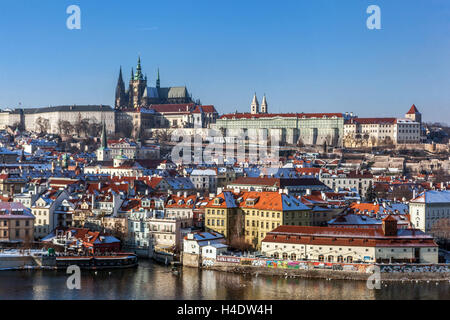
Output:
x,y
163,135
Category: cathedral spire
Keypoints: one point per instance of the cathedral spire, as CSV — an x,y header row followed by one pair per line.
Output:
x,y
158,80
120,90
139,70
104,137
132,73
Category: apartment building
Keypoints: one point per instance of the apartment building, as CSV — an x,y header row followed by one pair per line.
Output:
x,y
16,222
357,180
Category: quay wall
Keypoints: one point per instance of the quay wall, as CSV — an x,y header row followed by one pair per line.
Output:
x,y
309,269
16,262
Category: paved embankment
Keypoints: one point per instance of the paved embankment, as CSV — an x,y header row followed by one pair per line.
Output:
x,y
334,274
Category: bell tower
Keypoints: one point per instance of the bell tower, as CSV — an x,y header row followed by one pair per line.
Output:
x,y
255,105
138,84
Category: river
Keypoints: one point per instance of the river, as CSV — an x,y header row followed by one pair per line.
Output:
x,y
152,281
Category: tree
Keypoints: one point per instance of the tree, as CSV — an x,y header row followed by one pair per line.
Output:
x,y
125,129
371,196
43,125
163,135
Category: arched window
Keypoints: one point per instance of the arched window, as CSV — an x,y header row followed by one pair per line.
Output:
x,y
349,259
340,259
321,258
285,256
275,255
330,258
293,257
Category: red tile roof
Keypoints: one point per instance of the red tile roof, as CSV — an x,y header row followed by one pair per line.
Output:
x,y
283,115
413,110
371,121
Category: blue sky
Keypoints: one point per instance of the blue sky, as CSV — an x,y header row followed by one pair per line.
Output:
x,y
307,56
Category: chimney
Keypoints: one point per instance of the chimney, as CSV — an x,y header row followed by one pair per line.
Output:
x,y
389,225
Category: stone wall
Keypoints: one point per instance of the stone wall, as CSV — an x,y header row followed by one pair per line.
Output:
x,y
191,260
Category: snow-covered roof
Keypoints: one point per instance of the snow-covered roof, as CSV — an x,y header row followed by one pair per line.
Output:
x,y
433,196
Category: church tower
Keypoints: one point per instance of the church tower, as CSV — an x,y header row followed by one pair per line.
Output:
x,y
137,86
264,105
255,105
414,114
104,153
121,97
158,80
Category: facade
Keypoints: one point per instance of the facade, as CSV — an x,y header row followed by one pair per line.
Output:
x,y
204,179
357,180
290,128
16,223
429,209
294,186
44,211
351,245
52,119
194,242
371,132
165,233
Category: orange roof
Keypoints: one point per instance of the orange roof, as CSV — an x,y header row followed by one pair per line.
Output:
x,y
413,110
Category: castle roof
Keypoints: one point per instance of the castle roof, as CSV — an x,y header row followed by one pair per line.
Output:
x,y
413,110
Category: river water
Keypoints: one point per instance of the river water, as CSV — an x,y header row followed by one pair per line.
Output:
x,y
152,281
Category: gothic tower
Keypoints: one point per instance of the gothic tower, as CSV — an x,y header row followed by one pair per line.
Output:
x,y
137,86
255,105
121,98
264,105
104,153
158,80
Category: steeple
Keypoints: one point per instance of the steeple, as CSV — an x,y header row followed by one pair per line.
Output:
x,y
104,138
138,70
120,91
255,105
158,80
132,73
264,106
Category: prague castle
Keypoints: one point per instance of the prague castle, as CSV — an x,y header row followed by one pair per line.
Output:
x,y
139,94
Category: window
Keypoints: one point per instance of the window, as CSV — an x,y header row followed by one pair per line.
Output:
x,y
321,258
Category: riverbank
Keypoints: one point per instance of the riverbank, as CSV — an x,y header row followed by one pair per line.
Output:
x,y
333,274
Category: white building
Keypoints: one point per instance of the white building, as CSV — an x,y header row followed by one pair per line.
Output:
x,y
44,211
204,179
429,208
194,242
351,245
357,180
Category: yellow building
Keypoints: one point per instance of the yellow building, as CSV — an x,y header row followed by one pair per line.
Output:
x,y
221,215
255,214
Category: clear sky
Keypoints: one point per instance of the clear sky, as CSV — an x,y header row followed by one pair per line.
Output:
x,y
307,56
